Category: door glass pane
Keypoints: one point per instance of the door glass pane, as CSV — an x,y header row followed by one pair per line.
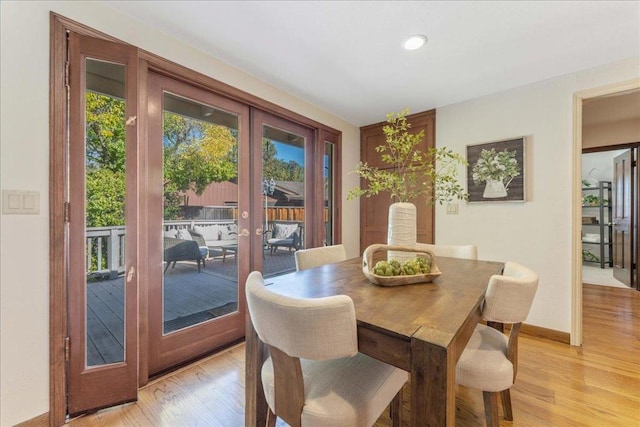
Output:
x,y
200,226
105,211
328,192
283,189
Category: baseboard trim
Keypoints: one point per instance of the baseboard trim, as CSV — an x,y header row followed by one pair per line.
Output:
x,y
549,334
39,421
539,332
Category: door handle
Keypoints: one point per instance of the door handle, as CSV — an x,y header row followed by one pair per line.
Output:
x,y
132,272
244,233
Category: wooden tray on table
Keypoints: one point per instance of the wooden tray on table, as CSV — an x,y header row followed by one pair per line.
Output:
x,y
368,264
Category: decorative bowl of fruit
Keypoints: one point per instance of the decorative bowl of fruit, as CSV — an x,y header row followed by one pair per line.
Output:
x,y
420,269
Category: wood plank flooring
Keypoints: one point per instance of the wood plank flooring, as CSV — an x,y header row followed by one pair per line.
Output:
x,y
597,384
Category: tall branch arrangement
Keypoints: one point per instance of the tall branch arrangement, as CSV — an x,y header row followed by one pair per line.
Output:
x,y
411,172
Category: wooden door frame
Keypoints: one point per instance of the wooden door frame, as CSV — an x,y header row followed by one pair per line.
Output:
x,y
576,198
58,117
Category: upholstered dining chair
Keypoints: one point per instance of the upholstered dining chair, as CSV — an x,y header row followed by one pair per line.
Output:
x,y
451,251
309,258
489,362
315,375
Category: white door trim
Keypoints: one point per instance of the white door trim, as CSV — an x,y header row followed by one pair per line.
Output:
x,y
576,244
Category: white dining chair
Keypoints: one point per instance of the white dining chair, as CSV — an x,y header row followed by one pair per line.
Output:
x,y
451,251
489,361
315,375
314,257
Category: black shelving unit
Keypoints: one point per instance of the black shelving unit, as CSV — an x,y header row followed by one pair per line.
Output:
x,y
603,209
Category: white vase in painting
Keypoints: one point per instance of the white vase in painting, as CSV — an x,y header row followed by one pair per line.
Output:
x,y
494,189
402,229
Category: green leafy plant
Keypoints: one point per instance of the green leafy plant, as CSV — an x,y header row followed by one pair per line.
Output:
x,y
411,172
588,256
496,166
593,200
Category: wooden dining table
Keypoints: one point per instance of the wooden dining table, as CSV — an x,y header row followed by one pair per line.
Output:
x,y
420,328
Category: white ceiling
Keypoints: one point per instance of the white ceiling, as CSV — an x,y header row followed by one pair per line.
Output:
x,y
346,57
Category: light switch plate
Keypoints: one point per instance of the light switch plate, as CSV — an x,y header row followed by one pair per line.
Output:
x,y
20,202
452,209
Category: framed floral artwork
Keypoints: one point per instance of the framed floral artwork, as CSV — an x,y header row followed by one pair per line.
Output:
x,y
496,171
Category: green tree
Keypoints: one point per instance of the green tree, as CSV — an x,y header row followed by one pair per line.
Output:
x,y
105,197
105,159
279,170
105,121
196,154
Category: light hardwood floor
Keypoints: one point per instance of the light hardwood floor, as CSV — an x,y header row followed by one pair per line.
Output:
x,y
597,384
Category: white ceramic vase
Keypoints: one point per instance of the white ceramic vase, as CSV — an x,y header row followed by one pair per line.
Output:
x,y
402,229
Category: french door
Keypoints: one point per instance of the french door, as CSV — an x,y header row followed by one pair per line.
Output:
x,y
170,206
102,224
199,221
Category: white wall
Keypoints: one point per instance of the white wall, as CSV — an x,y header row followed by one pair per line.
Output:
x,y
536,233
599,166
24,152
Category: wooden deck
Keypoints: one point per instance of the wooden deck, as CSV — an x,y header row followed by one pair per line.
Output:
x,y
189,298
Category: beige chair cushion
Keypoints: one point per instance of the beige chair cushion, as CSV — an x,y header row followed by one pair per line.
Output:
x,y
309,258
351,391
338,390
509,296
483,364
309,328
451,251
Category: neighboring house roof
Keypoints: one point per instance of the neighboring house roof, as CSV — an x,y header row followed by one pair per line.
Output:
x,y
226,193
290,190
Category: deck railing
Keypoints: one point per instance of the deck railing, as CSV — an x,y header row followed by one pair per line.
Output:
x,y
105,251
105,245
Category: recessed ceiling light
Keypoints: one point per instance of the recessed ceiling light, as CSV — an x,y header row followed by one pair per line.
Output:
x,y
415,42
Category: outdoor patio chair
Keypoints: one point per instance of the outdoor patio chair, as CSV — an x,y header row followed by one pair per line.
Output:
x,y
186,246
288,235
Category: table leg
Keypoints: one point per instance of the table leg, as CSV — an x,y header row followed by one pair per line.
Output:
x,y
433,392
255,402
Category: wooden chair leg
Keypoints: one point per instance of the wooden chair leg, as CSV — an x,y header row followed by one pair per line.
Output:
x,y
396,410
506,404
271,418
491,408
